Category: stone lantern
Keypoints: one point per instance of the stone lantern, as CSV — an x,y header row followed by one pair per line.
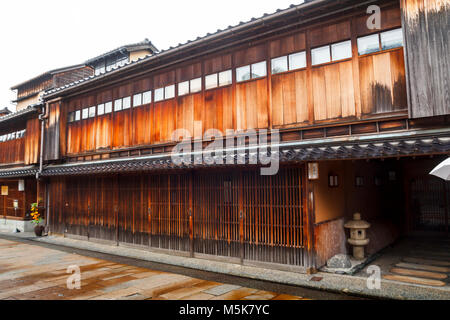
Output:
x,y
358,235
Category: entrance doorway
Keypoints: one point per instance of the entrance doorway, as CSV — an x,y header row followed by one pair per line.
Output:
x,y
430,200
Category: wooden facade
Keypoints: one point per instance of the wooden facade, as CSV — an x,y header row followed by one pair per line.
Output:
x,y
105,139
428,44
23,149
237,214
361,87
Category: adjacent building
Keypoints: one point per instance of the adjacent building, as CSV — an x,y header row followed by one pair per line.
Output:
x,y
355,116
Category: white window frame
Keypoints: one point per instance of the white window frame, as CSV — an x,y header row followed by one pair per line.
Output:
x,y
145,95
213,79
126,103
117,105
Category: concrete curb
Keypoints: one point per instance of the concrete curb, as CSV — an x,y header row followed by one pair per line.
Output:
x,y
353,285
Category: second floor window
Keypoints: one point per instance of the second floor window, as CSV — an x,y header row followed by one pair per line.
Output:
x,y
380,41
320,55
92,112
85,113
118,105
101,109
253,71
287,63
13,136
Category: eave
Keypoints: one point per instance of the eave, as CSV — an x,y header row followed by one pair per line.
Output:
x,y
380,146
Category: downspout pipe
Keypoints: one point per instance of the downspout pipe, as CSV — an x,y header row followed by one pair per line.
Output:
x,y
42,117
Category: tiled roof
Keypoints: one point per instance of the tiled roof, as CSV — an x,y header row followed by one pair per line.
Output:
x,y
5,111
288,153
30,109
49,73
18,172
208,36
146,44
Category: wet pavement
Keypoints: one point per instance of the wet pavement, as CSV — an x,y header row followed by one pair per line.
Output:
x,y
30,271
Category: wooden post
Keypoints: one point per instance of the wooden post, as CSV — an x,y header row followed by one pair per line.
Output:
x,y
355,68
241,217
310,218
116,206
191,213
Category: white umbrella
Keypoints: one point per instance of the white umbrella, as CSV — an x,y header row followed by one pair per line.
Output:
x,y
443,170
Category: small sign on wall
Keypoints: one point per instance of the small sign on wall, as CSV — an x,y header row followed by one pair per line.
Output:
x,y
313,171
21,185
4,190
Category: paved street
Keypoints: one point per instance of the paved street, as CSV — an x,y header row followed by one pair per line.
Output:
x,y
34,272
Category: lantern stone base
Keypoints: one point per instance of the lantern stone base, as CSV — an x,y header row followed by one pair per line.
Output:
x,y
11,225
349,269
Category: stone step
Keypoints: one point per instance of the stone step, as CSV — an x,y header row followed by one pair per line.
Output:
x,y
426,282
423,267
427,261
419,273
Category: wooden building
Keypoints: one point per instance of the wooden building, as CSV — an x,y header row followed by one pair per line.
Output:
x,y
344,99
30,91
19,159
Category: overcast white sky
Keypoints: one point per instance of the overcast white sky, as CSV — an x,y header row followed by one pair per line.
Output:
x,y
37,36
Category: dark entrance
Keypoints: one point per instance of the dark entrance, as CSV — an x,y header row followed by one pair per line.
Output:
x,y
430,200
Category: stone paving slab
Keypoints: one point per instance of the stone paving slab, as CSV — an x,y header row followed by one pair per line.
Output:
x,y
41,274
220,290
356,284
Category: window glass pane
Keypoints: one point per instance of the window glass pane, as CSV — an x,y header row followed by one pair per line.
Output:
x,y
321,55
147,97
159,94
225,78
118,105
279,65
126,103
77,115
169,92
243,74
196,85
137,100
92,112
392,39
85,114
108,107
259,70
183,88
211,81
341,50
297,61
101,109
368,44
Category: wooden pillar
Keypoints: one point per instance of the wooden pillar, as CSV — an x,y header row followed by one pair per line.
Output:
x,y
355,68
309,225
191,213
116,206
241,216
